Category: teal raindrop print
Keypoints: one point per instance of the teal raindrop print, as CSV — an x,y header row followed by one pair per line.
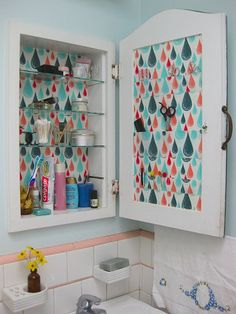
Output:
x,y
152,197
194,161
47,92
186,203
41,52
188,147
40,94
199,172
35,152
187,102
145,160
165,87
182,170
164,73
149,122
150,87
194,110
28,90
199,120
179,111
184,82
68,62
156,47
152,106
152,58
57,63
141,198
186,51
173,53
28,49
173,102
199,192
140,61
62,158
158,65
35,62
141,149
62,92
23,151
68,104
28,158
152,149
141,106
22,59
179,133
179,159
57,151
182,190
194,58
157,136
178,41
22,103
79,124
182,69
174,148
135,91
173,201
193,134
178,181
178,61
183,120
68,152
145,114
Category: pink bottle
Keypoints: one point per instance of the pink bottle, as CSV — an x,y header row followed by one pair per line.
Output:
x,y
60,187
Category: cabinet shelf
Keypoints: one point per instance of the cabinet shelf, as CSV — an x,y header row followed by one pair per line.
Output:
x,y
66,112
35,75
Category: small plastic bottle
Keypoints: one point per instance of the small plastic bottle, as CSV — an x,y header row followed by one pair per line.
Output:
x,y
72,193
60,187
94,199
35,198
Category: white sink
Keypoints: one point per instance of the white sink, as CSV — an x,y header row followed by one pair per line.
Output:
x,y
127,305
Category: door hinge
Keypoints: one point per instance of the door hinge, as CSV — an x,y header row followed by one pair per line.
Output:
x,y
115,187
115,71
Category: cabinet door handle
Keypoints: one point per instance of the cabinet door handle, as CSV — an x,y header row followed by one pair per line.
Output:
x,y
229,127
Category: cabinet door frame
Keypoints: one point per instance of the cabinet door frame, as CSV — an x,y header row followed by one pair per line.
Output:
x,y
16,222
169,25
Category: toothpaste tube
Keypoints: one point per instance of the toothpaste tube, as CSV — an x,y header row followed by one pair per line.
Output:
x,y
47,182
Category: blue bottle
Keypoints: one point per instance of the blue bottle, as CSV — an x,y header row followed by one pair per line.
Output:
x,y
72,193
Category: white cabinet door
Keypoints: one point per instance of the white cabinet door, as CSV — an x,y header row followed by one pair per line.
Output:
x,y
172,89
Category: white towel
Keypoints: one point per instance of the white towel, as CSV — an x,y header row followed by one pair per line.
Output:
x,y
194,273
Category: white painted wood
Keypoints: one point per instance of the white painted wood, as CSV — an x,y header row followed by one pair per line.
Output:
x,y
166,26
104,53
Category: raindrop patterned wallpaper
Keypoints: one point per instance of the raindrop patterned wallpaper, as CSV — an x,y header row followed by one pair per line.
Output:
x,y
34,89
168,156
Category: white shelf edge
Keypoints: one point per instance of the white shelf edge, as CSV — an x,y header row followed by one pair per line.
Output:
x,y
65,217
112,276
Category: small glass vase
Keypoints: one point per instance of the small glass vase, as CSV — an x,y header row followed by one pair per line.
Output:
x,y
34,282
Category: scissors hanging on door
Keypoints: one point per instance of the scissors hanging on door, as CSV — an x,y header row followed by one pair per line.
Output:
x,y
168,113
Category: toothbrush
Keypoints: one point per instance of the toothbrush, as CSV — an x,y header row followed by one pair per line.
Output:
x,y
37,163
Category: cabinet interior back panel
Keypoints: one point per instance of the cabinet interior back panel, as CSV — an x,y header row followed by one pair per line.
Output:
x,y
168,156
34,89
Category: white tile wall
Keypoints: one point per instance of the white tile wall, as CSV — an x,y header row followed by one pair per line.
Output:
x,y
146,251
47,308
94,287
146,279
64,268
80,264
54,273
15,273
117,289
1,282
129,248
145,297
66,297
134,279
105,251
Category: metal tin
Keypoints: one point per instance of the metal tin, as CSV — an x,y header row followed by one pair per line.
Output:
x,y
71,180
82,137
80,105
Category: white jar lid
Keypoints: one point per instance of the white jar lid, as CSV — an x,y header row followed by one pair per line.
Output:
x,y
59,167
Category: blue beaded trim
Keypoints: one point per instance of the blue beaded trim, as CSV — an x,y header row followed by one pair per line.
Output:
x,y
212,303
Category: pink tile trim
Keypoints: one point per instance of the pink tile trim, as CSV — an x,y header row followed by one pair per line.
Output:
x,y
6,259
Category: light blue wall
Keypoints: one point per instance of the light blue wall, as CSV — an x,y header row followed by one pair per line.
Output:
x,y
151,7
105,19
112,20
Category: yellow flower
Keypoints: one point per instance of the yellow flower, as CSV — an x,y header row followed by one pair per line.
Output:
x,y
36,253
22,254
32,265
30,248
42,260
